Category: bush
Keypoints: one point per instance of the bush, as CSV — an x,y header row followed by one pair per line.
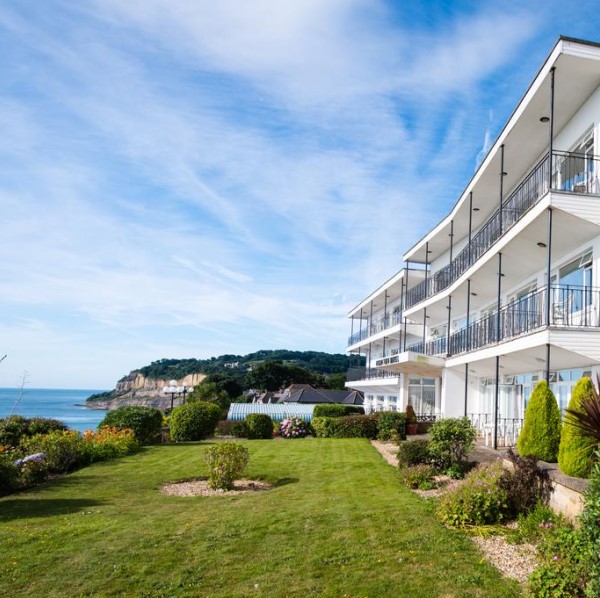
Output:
x,y
32,470
64,450
413,452
450,441
540,435
146,422
525,484
226,462
562,572
109,443
350,426
411,416
16,427
225,427
240,430
418,477
194,421
259,425
479,500
590,531
8,472
293,427
535,524
337,410
392,425
576,449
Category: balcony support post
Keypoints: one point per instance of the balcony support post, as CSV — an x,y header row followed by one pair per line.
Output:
x,y
548,363
499,299
351,329
548,268
466,387
404,307
551,127
502,175
468,347
426,269
448,326
385,317
451,240
424,328
470,223
370,326
496,398
369,364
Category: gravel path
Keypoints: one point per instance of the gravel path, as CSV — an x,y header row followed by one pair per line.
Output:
x,y
516,561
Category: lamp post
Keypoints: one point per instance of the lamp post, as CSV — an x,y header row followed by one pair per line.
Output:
x,y
173,390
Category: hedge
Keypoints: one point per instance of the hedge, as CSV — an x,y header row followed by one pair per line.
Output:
x,y
146,422
194,421
349,426
337,410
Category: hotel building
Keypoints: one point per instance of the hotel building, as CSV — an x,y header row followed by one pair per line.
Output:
x,y
500,294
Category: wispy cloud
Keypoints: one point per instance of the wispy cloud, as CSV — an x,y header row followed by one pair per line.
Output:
x,y
187,178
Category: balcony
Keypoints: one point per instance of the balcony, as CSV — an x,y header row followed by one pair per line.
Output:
x,y
570,306
572,172
354,374
378,325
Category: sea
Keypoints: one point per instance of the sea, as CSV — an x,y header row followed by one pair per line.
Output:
x,y
62,404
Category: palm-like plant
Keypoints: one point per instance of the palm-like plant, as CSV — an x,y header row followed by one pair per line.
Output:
x,y
588,418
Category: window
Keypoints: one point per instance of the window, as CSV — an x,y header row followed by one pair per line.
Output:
x,y
421,395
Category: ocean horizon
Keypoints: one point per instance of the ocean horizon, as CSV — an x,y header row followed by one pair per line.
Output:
x,y
64,404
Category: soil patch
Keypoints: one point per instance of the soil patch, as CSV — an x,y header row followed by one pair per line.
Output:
x,y
201,488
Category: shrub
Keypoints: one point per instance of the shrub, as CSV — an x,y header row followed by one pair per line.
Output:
x,y
450,441
590,531
350,426
64,449
194,421
576,449
418,476
226,462
525,484
391,422
293,427
540,435
239,430
562,572
411,416
109,443
146,422
8,472
32,470
259,425
588,418
225,427
16,427
535,524
337,410
413,452
478,500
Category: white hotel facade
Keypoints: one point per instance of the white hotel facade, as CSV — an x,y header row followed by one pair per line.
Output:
x,y
505,290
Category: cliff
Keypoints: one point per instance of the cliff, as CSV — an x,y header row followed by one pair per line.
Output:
x,y
137,389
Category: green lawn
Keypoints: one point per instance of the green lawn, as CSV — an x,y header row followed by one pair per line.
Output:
x,y
338,523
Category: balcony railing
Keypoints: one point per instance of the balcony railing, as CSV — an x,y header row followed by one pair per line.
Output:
x,y
572,172
570,306
378,325
354,374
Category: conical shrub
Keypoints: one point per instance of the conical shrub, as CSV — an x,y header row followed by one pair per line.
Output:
x,y
540,436
576,449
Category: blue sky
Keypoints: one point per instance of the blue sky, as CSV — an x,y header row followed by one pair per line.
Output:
x,y
186,178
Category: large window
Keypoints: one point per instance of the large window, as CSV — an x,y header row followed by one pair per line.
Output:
x,y
421,395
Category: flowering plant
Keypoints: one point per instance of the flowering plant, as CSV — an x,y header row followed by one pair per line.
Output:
x,y
293,427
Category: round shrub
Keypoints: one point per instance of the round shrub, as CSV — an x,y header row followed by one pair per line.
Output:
x,y
226,461
146,422
480,500
575,453
64,449
194,421
32,469
259,425
419,477
413,452
293,427
450,441
540,435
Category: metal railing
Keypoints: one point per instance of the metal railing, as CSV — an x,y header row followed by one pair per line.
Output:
x,y
378,325
354,374
508,429
572,172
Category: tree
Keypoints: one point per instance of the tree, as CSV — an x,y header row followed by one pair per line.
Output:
x,y
540,435
273,375
209,392
336,381
229,384
576,449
